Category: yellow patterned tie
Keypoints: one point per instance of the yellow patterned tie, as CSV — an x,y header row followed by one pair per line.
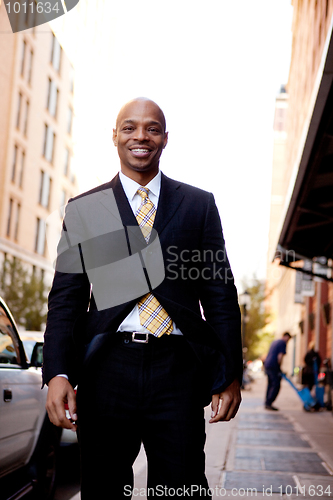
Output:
x,y
152,315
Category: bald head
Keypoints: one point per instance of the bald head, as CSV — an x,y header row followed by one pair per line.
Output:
x,y
140,138
141,102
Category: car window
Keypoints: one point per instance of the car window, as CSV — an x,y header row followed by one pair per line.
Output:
x,y
9,349
39,354
28,347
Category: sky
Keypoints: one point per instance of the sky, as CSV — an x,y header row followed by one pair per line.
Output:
x,y
215,69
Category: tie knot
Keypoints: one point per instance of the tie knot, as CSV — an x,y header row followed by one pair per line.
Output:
x,y
143,192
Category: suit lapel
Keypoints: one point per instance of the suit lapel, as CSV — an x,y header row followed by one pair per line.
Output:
x,y
126,213
168,203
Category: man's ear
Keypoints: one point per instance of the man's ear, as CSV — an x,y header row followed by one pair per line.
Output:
x,y
166,136
114,137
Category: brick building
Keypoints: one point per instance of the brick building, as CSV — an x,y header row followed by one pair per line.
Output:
x,y
36,102
303,237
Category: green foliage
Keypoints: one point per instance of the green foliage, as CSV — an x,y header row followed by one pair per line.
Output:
x,y
256,339
25,294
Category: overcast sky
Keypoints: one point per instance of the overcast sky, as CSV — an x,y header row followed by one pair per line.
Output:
x,y
215,68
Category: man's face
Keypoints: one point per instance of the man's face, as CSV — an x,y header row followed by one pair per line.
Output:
x,y
140,137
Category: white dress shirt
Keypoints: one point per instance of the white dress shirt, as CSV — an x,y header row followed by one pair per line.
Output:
x,y
132,322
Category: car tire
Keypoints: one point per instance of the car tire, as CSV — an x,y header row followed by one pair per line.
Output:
x,y
43,464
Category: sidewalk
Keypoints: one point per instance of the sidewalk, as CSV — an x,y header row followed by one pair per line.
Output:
x,y
288,452
264,454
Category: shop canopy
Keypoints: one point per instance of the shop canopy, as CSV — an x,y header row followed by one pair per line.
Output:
x,y
307,227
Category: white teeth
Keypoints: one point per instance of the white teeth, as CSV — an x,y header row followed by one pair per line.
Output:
x,y
140,150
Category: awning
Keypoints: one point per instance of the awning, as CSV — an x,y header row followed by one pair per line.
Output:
x,y
307,227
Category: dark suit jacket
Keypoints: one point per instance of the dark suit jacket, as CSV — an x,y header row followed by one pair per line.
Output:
x,y
197,272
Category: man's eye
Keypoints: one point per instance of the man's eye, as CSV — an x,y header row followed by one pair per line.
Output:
x,y
128,129
154,130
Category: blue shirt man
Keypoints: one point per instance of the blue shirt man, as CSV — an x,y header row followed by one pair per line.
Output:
x,y
272,367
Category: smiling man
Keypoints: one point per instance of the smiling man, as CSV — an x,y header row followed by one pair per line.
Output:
x,y
146,368
140,138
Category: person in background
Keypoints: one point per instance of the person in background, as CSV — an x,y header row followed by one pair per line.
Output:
x,y
273,369
310,359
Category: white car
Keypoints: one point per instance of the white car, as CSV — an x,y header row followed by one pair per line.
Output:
x,y
28,441
33,341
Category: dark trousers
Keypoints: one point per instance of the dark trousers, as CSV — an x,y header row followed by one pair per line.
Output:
x,y
147,393
273,386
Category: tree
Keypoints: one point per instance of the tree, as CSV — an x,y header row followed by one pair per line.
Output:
x,y
25,294
256,339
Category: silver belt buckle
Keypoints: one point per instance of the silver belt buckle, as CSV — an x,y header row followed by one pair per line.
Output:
x,y
145,341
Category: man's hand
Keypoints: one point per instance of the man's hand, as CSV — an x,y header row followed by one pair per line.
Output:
x,y
230,400
61,392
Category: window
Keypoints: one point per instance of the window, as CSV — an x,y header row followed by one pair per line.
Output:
x,y
49,140
45,189
71,78
30,66
280,119
9,349
19,113
18,213
56,53
14,162
10,214
26,61
24,50
63,198
27,106
22,169
52,98
69,120
66,161
18,161
18,117
40,236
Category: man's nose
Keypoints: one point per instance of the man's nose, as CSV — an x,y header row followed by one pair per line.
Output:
x,y
141,134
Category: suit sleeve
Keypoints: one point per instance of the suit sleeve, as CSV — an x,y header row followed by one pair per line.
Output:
x,y
68,299
219,299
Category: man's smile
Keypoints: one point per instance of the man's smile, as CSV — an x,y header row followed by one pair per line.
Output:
x,y
138,152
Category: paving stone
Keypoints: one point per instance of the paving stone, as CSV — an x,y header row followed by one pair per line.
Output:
x,y
260,417
266,426
274,460
316,486
259,437
299,466
280,455
250,480
248,464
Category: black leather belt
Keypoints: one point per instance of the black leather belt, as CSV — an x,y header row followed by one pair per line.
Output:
x,y
145,338
138,337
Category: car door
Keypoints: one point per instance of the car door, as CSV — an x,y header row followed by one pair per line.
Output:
x,y
21,404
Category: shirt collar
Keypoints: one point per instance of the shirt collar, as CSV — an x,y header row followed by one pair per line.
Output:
x,y
130,187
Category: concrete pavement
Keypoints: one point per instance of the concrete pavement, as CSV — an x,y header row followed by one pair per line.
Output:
x,y
264,454
288,452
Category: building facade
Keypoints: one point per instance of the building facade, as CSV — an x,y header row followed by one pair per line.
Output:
x,y
285,313
36,145
299,283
